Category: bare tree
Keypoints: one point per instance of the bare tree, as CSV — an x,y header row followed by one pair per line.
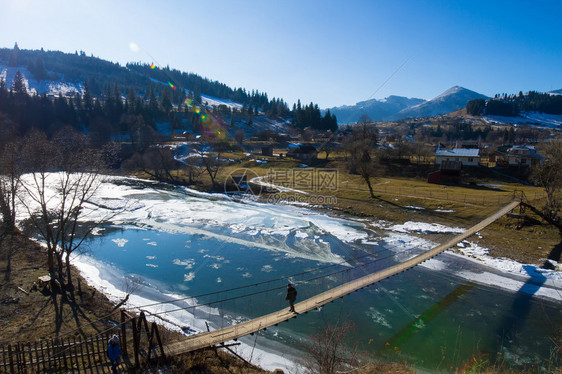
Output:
x,y
159,162
549,176
359,149
421,151
331,350
10,172
364,119
209,161
64,175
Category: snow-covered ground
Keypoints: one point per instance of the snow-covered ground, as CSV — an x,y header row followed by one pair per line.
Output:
x,y
211,101
532,118
34,86
497,272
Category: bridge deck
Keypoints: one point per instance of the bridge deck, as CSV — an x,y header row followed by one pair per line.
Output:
x,y
209,339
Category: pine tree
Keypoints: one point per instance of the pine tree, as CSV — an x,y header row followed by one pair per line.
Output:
x,y
131,100
87,98
166,102
18,89
14,56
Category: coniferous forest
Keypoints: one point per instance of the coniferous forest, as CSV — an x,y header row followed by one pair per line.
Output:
x,y
512,105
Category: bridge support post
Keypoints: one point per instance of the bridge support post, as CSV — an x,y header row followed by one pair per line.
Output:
x,y
124,333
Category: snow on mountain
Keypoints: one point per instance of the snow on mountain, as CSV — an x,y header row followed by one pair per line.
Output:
x,y
211,101
529,118
453,99
556,92
377,110
35,86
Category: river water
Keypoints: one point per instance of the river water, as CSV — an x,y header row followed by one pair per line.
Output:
x,y
225,261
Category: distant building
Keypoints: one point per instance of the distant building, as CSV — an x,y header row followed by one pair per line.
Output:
x,y
448,173
304,152
267,150
467,157
516,155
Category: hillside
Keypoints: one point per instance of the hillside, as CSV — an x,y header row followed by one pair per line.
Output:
x,y
52,72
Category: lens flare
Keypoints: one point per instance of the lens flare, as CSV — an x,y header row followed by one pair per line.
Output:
x,y
188,101
197,110
171,85
152,66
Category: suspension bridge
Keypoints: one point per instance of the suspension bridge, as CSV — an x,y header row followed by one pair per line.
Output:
x,y
233,332
61,353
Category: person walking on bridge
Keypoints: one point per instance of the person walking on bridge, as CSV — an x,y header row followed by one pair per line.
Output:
x,y
291,296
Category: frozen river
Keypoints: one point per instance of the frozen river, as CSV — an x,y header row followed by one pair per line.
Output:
x,y
201,250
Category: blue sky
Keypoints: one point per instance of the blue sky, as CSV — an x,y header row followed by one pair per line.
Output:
x,y
329,52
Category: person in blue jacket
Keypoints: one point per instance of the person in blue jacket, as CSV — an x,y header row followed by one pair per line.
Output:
x,y
114,352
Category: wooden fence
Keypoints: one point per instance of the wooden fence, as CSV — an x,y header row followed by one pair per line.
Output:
x,y
55,355
85,355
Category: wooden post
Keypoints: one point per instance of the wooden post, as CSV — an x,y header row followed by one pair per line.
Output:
x,y
17,358
30,352
20,361
50,356
72,356
87,349
63,353
36,362
142,319
136,338
42,363
155,327
56,353
124,334
97,348
82,342
77,354
10,358
21,348
2,352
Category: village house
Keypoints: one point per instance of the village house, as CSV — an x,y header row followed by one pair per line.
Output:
x,y
448,173
304,152
267,150
467,156
516,155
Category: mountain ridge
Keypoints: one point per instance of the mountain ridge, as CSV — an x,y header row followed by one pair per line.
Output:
x,y
400,107
453,99
376,109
